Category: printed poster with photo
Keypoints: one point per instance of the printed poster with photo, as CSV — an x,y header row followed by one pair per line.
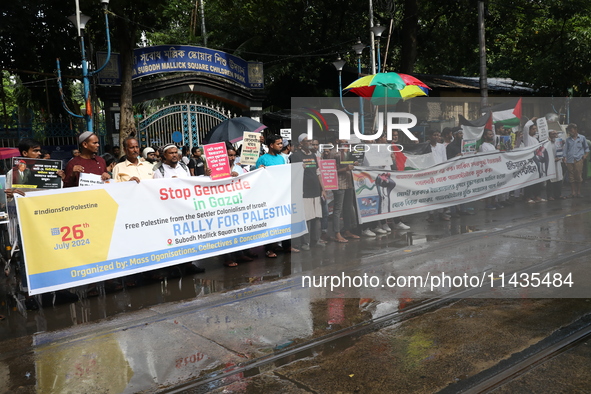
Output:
x,y
30,173
469,146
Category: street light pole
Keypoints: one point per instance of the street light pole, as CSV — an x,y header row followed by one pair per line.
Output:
x,y
482,52
80,20
377,31
339,64
358,48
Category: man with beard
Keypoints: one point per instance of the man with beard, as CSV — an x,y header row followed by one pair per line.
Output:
x,y
88,162
149,155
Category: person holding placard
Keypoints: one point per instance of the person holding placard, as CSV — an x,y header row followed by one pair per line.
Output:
x,y
88,162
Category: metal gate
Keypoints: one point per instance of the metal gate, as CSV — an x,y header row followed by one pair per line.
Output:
x,y
192,120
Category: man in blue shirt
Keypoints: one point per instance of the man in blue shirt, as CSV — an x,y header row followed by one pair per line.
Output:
x,y
273,158
576,150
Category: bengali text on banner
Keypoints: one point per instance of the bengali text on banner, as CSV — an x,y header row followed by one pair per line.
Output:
x,y
382,194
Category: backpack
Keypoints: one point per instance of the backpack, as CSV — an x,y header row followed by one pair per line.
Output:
x,y
158,166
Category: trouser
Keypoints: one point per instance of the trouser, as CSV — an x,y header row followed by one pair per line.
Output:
x,y
343,205
554,189
324,220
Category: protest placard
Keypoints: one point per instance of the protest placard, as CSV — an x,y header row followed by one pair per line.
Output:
x,y
251,147
328,174
217,160
542,124
469,146
30,173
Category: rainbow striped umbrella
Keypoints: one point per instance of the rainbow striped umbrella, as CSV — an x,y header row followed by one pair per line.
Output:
x,y
388,88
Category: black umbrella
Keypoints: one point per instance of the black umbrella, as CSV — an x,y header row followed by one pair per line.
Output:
x,y
232,129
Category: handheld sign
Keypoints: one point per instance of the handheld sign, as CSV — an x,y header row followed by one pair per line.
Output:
x,y
250,148
217,160
36,173
328,173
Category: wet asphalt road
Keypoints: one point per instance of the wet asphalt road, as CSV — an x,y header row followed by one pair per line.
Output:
x,y
166,333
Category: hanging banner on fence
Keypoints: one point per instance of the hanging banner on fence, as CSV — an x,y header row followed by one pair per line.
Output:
x,y
382,194
36,173
77,236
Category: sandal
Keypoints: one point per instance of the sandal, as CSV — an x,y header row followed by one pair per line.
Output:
x,y
230,263
341,240
349,234
270,254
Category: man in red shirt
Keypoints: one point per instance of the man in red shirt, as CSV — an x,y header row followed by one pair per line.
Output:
x,y
88,162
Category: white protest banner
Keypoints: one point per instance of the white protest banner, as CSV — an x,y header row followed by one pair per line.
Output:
x,y
77,236
251,147
382,194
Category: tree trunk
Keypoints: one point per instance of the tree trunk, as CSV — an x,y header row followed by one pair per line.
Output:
x,y
127,39
410,27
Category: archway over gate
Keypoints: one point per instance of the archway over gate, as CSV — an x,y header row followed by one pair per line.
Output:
x,y
241,100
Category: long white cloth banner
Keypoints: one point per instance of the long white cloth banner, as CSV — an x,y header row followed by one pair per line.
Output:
x,y
77,236
382,194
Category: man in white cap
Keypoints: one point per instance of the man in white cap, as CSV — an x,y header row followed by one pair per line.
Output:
x,y
132,169
171,166
88,162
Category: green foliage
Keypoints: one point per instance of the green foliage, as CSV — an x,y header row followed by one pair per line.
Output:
x,y
545,43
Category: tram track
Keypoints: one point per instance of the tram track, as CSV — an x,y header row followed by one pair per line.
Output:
x,y
526,361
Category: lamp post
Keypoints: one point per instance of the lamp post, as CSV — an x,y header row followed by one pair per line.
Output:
x,y
80,20
358,48
339,64
377,31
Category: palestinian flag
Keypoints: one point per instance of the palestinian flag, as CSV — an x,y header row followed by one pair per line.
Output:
x,y
415,157
508,114
473,129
